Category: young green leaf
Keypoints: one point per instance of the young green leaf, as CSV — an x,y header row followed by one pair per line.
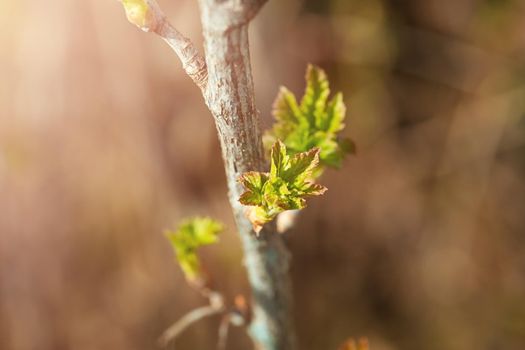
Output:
x,y
317,90
314,123
189,236
253,182
285,187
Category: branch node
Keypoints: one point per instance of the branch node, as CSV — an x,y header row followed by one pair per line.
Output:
x,y
147,15
187,320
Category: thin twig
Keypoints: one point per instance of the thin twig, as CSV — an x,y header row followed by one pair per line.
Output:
x,y
187,320
223,332
193,62
154,20
227,85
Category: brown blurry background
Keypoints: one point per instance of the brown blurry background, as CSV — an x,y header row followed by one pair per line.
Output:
x,y
104,142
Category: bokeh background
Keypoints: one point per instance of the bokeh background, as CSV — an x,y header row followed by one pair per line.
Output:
x,y
104,143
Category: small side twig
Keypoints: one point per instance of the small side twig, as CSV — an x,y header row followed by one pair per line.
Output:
x,y
215,307
225,79
148,16
238,316
223,332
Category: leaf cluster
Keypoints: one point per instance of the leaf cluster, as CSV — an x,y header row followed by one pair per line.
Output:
x,y
285,187
189,236
313,123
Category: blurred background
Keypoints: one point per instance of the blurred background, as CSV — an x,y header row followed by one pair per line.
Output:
x,y
104,143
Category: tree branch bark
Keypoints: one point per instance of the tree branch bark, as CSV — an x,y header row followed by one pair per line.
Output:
x,y
192,61
227,86
230,98
148,16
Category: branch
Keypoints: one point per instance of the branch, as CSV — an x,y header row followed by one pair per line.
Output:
x,y
226,82
225,15
147,15
187,320
215,307
238,316
223,332
230,97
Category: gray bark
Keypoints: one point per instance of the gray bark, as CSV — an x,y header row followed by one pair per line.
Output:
x,y
230,98
225,78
